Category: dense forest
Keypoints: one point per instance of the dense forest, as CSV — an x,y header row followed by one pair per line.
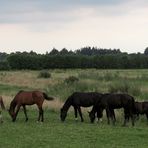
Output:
x,y
87,57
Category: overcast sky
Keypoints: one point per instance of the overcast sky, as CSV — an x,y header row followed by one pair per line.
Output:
x,y
40,25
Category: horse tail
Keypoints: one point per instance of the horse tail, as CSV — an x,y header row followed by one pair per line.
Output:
x,y
47,97
2,104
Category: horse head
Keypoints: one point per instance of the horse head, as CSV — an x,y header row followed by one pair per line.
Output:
x,y
63,114
91,116
11,113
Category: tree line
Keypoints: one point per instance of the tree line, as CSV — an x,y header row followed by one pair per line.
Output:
x,y
87,57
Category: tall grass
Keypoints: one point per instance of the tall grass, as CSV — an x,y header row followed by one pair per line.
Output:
x,y
63,90
133,82
125,87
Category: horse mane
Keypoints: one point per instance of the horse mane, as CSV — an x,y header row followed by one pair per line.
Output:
x,y
12,105
13,102
67,103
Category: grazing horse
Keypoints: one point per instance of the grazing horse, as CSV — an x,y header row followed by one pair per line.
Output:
x,y
24,98
141,108
78,99
115,101
100,113
2,103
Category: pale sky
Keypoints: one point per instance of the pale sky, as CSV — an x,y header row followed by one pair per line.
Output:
x,y
40,25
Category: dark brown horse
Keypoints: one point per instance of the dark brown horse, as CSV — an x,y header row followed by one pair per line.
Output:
x,y
2,103
99,111
24,98
115,101
78,100
141,108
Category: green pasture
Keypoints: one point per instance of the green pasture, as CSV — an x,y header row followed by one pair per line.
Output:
x,y
71,134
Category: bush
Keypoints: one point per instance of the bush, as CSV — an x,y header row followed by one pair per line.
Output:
x,y
71,79
44,74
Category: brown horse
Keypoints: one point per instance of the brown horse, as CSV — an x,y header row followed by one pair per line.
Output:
x,y
2,103
24,98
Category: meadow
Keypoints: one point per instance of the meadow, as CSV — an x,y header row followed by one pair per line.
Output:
x,y
61,84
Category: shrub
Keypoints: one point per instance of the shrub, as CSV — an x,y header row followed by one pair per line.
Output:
x,y
44,74
71,79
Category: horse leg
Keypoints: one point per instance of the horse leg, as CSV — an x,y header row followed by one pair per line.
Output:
x,y
112,116
137,116
147,117
132,118
17,110
99,114
131,114
108,116
25,112
40,114
126,116
76,115
80,113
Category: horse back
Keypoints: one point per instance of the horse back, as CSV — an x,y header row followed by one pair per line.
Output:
x,y
85,99
29,97
118,100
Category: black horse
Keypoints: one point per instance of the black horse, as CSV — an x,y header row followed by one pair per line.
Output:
x,y
99,111
78,99
141,108
115,101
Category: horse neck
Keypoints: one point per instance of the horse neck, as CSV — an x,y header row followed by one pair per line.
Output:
x,y
67,104
12,106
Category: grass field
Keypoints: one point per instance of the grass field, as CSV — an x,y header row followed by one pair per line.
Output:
x,y
52,133
70,134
